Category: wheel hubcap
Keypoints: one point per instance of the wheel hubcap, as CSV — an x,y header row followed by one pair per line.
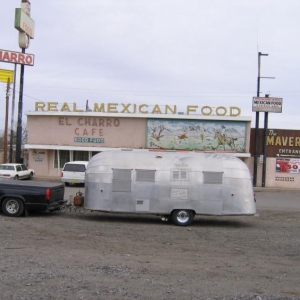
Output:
x,y
183,216
12,206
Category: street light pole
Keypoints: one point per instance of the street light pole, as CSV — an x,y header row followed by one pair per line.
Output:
x,y
257,124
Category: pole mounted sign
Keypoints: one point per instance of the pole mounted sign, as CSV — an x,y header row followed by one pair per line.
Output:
x,y
267,104
16,57
5,75
24,24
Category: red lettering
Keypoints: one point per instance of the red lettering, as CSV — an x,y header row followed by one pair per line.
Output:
x,y
21,58
16,57
6,56
76,131
13,57
28,59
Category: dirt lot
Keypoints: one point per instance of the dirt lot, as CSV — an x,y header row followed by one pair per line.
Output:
x,y
108,256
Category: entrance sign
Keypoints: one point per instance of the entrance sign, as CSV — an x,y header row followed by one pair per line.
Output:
x,y
17,57
267,104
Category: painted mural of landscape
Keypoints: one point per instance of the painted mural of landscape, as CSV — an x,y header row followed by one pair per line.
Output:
x,y
196,135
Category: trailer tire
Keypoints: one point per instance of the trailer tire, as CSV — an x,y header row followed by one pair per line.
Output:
x,y
13,207
182,217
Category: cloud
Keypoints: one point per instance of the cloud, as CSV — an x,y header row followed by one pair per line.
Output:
x,y
177,52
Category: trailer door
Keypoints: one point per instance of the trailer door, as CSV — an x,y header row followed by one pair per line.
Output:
x,y
212,193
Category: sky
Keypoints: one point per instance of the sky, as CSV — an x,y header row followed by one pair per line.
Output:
x,y
175,52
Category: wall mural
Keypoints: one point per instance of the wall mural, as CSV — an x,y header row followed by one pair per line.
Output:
x,y
196,135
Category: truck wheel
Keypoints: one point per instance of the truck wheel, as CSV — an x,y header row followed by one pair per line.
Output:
x,y
182,217
13,207
67,184
16,177
31,175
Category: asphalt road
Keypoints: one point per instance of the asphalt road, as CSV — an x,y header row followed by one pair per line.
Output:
x,y
266,198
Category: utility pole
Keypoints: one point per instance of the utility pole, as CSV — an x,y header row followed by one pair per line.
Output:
x,y
257,129
20,113
264,167
257,124
12,118
6,121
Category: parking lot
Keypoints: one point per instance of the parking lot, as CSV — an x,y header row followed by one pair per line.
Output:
x,y
93,255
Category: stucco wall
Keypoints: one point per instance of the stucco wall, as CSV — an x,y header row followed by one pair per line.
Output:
x,y
106,132
275,179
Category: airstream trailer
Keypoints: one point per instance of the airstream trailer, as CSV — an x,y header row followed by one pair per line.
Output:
x,y
170,184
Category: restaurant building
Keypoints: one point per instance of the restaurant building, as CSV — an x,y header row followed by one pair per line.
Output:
x,y
59,133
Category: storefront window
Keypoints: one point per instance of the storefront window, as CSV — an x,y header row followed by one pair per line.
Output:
x,y
64,156
81,155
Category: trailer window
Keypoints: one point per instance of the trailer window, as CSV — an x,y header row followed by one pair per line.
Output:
x,y
213,177
121,180
179,174
145,175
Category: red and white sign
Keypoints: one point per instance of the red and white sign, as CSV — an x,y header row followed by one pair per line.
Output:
x,y
17,57
267,104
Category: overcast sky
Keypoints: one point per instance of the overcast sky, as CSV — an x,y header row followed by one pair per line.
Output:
x,y
177,52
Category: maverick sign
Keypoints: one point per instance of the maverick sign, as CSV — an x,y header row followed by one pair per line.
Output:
x,y
232,111
283,142
280,142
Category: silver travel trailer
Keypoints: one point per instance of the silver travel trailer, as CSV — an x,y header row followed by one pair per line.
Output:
x,y
170,184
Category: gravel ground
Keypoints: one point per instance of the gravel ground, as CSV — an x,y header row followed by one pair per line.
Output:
x,y
84,255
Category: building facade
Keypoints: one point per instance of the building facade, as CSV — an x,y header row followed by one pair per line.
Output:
x,y
58,134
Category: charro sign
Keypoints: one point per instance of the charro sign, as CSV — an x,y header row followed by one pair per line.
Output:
x,y
16,57
206,110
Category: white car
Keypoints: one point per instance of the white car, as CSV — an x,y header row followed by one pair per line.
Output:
x,y
74,172
15,171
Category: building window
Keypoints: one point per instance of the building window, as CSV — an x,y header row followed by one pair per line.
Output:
x,y
94,153
145,175
213,177
121,180
179,174
80,155
64,156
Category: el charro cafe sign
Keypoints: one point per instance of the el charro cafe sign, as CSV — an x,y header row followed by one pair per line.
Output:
x,y
206,110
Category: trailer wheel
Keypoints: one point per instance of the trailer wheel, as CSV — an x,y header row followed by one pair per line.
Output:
x,y
182,217
13,207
